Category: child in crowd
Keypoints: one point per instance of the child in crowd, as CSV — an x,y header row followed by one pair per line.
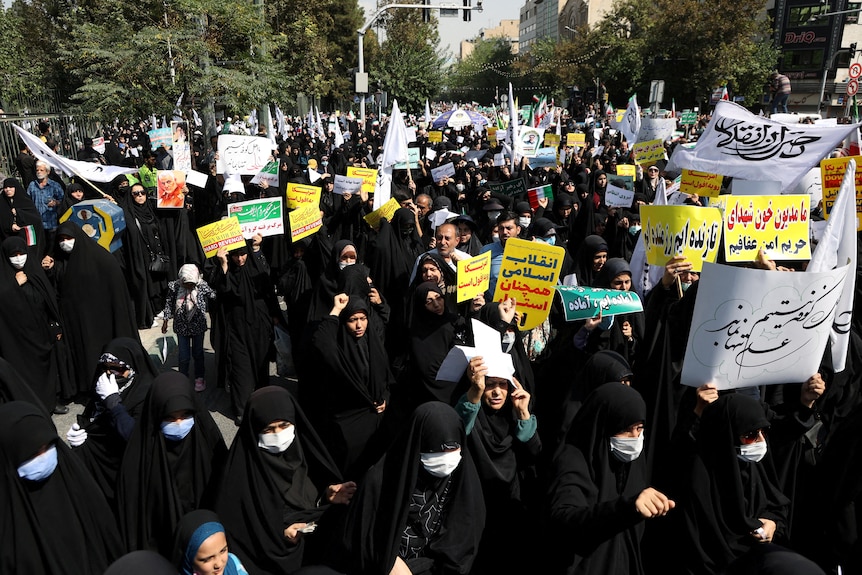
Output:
x,y
187,302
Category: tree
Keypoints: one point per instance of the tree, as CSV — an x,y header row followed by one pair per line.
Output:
x,y
476,77
409,67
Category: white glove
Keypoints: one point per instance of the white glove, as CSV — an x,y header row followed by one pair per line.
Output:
x,y
106,385
76,436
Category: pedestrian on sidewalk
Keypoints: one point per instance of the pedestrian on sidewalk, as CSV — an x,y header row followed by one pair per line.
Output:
x,y
187,302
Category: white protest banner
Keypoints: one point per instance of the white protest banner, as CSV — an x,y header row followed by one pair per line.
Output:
x,y
529,140
196,179
656,129
759,327
180,143
347,185
99,144
544,158
262,217
268,174
499,160
616,197
412,159
243,155
440,172
740,144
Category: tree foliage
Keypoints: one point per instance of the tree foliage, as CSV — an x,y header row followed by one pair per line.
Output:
x,y
487,68
408,66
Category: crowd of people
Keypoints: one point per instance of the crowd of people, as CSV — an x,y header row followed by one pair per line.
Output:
x,y
570,447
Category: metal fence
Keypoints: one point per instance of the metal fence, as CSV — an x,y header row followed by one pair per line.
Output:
x,y
67,131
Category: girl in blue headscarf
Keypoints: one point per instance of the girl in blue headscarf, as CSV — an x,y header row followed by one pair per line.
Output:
x,y
201,546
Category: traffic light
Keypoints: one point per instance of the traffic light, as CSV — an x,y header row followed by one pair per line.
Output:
x,y
467,11
852,50
426,13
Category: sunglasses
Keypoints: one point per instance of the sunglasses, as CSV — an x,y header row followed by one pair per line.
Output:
x,y
752,436
139,194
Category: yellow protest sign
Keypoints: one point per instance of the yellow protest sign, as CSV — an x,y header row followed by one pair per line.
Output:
x,y
626,170
528,273
369,177
304,222
225,233
435,137
301,195
576,139
474,276
778,224
700,183
383,212
492,136
552,141
690,231
831,174
649,152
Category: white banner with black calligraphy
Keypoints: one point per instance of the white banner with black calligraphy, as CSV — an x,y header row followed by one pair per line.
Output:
x,y
759,327
737,143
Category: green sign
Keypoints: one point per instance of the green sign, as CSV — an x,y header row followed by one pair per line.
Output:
x,y
688,118
586,302
262,217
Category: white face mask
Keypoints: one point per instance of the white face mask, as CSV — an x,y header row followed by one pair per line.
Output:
x,y
524,222
441,464
627,449
277,442
508,340
18,261
67,245
633,230
40,467
459,187
753,452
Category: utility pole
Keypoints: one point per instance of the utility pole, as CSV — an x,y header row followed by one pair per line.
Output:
x,y
361,75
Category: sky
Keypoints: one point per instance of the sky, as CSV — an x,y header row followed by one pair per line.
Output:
x,y
453,30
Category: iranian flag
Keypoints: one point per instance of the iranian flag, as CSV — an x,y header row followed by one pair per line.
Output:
x,y
538,193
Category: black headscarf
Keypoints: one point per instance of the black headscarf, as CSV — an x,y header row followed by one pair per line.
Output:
x,y
141,563
725,496
381,510
260,493
61,524
431,338
21,210
162,480
93,312
27,338
326,287
103,451
142,242
584,259
592,494
613,338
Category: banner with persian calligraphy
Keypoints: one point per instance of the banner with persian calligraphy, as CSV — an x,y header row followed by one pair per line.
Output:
x,y
777,224
243,155
510,188
576,139
831,174
616,197
743,145
368,175
649,152
301,195
587,302
304,222
384,212
225,233
474,276
690,231
262,217
544,158
626,170
528,273
759,327
700,183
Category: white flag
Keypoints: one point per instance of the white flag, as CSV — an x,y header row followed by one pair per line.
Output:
x,y
321,131
87,170
512,130
740,144
339,136
394,151
836,248
631,124
197,118
428,113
